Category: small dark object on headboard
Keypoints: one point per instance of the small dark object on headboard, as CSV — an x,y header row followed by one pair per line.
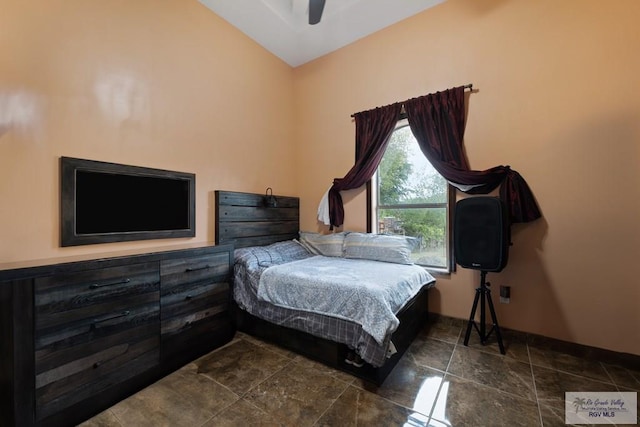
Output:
x,y
244,220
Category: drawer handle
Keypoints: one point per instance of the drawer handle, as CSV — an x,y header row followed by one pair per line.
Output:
x,y
191,270
96,322
102,285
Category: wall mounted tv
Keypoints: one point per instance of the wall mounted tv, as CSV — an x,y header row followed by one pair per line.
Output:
x,y
107,202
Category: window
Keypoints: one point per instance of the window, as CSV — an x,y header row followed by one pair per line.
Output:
x,y
409,197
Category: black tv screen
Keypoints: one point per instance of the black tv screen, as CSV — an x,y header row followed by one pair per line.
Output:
x,y
107,202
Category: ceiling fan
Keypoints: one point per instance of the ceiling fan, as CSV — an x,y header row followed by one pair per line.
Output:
x,y
315,11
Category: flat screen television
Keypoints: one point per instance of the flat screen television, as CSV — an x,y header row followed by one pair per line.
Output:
x,y
108,202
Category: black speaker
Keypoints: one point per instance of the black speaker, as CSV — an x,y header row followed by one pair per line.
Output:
x,y
481,234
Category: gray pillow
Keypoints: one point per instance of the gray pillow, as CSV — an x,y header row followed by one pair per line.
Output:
x,y
323,244
378,247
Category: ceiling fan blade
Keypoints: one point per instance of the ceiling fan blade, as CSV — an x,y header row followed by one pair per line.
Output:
x,y
315,11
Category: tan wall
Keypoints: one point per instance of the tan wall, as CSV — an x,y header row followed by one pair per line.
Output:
x,y
557,100
156,83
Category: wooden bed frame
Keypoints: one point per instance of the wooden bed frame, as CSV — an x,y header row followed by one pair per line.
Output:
x,y
246,219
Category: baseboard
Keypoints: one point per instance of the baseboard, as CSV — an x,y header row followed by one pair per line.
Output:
x,y
625,360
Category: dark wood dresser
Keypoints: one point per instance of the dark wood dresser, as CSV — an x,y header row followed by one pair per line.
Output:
x,y
78,335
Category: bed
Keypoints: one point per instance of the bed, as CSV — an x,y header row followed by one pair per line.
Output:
x,y
267,239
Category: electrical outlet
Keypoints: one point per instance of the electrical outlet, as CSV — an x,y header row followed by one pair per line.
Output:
x,y
505,294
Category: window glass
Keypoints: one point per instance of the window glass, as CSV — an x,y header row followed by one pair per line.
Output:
x,y
411,199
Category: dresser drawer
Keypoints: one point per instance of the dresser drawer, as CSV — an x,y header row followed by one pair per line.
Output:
x,y
66,298
93,329
193,304
182,272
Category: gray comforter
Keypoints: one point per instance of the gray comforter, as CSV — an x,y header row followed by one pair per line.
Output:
x,y
366,292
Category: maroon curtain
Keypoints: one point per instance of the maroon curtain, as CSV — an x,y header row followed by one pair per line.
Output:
x,y
373,129
437,122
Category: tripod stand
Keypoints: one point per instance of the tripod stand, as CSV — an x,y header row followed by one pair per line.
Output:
x,y
483,293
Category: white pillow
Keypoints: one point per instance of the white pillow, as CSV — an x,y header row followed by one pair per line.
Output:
x,y
378,247
323,244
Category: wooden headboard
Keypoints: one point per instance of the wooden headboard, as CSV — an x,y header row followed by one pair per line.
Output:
x,y
244,219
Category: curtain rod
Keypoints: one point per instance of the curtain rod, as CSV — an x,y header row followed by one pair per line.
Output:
x,y
467,86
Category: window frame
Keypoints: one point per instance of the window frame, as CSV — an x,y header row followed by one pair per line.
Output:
x,y
372,192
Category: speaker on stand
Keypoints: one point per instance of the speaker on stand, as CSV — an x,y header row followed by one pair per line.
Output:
x,y
481,240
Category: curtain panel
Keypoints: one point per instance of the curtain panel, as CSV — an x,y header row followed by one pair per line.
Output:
x,y
373,129
437,122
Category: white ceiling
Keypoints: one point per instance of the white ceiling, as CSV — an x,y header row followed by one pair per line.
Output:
x,y
281,26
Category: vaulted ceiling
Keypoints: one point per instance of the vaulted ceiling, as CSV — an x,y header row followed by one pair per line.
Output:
x,y
282,27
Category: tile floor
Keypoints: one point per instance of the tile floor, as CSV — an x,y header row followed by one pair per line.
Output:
x,y
439,382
